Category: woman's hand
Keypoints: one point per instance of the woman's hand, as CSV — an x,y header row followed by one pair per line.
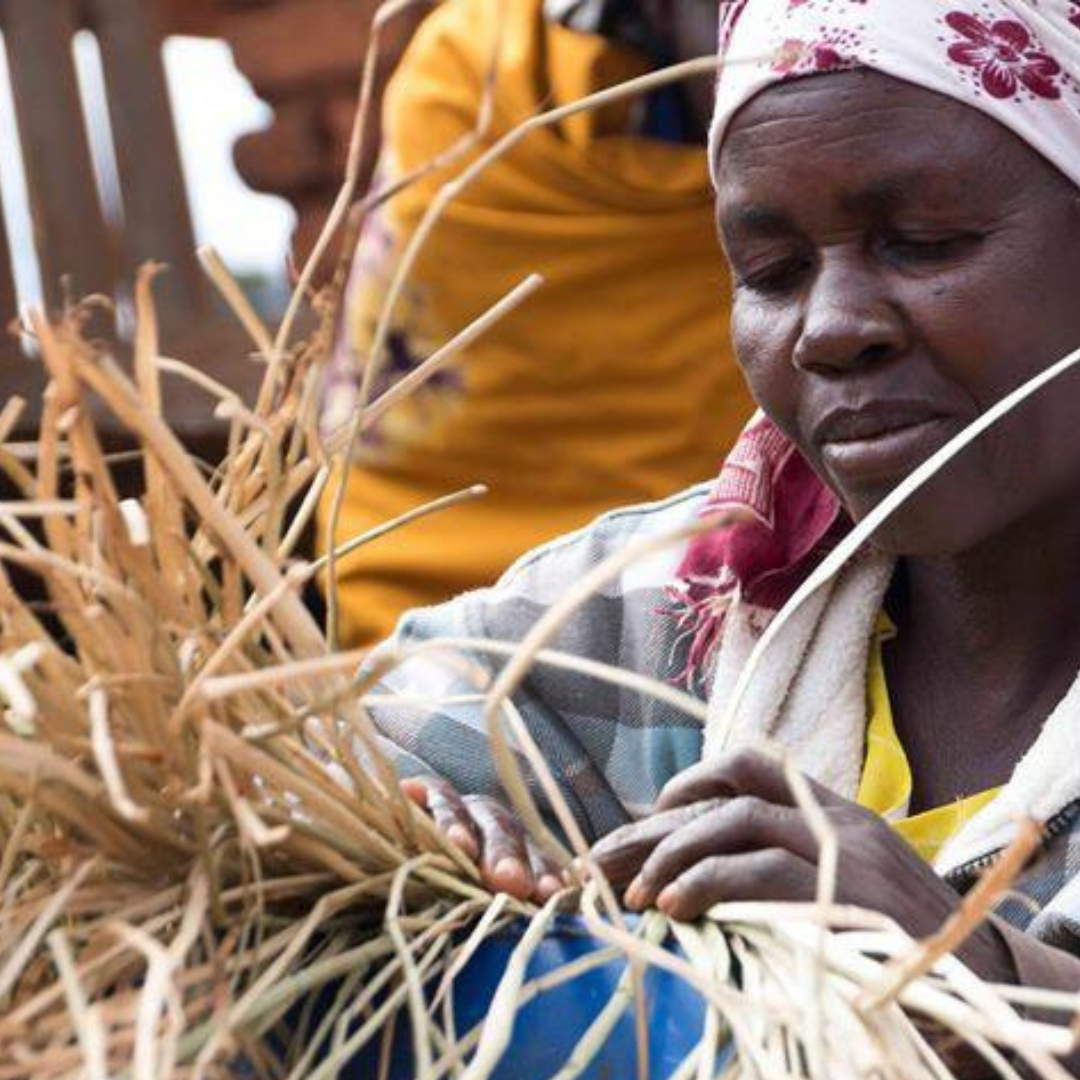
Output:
x,y
489,834
731,830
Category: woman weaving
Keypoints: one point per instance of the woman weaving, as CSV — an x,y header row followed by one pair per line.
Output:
x,y
898,193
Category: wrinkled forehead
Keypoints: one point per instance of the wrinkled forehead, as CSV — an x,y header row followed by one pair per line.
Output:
x,y
862,142
844,116
1016,61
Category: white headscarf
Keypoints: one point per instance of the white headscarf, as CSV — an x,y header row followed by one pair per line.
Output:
x,y
1016,60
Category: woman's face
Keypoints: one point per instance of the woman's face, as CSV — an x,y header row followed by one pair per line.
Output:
x,y
901,262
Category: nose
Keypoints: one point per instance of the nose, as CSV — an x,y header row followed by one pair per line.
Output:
x,y
849,320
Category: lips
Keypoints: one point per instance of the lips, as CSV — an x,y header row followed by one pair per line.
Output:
x,y
873,421
883,440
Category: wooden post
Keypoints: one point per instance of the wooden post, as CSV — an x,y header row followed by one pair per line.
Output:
x,y
9,307
70,232
157,218
20,375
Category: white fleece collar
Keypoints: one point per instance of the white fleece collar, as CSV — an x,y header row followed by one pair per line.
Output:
x,y
810,696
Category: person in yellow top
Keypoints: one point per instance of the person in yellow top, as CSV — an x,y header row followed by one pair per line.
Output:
x,y
615,382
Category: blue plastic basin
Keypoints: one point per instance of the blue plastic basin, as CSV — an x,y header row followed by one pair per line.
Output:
x,y
549,1027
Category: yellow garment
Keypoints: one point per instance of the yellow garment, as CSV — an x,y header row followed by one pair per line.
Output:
x,y
615,383
885,786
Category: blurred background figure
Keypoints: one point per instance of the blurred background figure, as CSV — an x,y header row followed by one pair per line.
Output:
x,y
607,387
135,129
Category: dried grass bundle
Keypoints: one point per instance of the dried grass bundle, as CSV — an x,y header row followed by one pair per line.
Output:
x,y
194,853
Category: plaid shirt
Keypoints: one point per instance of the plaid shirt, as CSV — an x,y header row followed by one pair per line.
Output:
x,y
612,749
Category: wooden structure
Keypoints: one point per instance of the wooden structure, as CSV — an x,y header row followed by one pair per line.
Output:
x,y
302,56
78,250
70,231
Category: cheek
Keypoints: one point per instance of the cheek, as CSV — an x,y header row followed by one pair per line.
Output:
x,y
987,356
953,343
1007,315
764,342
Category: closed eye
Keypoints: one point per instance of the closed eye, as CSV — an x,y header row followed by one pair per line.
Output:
x,y
915,248
775,276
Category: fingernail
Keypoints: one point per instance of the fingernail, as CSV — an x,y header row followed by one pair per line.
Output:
x,y
415,792
668,899
548,886
510,875
463,839
635,895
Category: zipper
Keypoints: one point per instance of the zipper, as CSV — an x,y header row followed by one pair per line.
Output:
x,y
1051,830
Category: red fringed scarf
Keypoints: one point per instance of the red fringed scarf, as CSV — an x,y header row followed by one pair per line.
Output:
x,y
796,520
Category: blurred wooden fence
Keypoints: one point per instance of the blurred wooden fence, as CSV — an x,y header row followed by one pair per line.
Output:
x,y
71,237
302,56
80,248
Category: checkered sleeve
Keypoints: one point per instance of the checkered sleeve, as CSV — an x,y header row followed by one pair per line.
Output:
x,y
610,749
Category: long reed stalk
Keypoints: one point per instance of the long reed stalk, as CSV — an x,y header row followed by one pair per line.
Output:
x,y
203,845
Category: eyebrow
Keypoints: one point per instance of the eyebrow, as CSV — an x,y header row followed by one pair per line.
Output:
x,y
755,220
884,194
876,197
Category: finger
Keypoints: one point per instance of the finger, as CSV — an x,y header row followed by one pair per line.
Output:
x,y
415,789
738,825
746,772
441,799
768,874
504,860
545,871
621,853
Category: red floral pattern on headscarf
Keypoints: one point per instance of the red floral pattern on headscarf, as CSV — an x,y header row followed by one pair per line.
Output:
x,y
1016,60
1004,54
833,52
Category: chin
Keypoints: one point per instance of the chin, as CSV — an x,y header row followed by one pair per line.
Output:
x,y
901,542
925,526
